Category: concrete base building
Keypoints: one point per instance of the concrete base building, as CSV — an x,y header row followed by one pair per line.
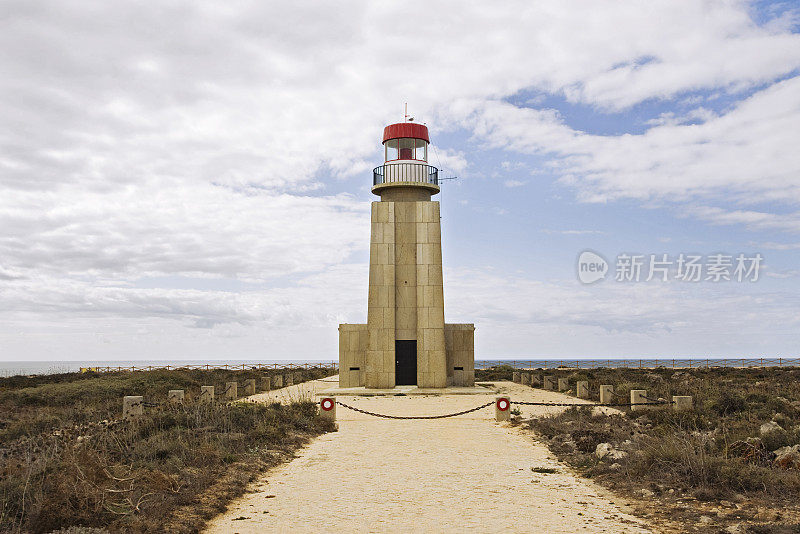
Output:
x,y
405,340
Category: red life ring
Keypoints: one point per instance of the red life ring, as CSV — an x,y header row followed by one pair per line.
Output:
x,y
327,404
503,404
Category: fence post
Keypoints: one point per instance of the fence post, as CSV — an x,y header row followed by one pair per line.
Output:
x,y
606,393
231,391
327,408
175,396
525,379
682,403
206,394
250,386
277,381
563,384
638,397
132,406
266,383
288,380
502,408
516,377
582,389
549,383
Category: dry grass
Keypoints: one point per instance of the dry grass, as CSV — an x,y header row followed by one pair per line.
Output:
x,y
67,460
692,457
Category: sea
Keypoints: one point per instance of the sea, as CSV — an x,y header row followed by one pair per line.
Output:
x,y
55,367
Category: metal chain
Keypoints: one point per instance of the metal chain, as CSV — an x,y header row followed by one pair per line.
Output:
x,y
414,416
593,404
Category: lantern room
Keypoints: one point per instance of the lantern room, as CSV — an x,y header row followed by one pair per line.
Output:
x,y
405,166
406,141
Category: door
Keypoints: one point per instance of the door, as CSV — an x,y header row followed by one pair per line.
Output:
x,y
405,362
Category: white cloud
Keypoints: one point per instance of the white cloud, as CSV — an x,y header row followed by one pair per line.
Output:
x,y
746,155
194,141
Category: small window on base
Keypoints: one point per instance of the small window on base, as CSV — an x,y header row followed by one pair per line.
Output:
x,y
458,368
355,368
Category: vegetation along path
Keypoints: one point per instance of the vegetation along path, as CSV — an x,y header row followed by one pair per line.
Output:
x,y
443,475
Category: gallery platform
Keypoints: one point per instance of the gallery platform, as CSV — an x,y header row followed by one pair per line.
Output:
x,y
480,388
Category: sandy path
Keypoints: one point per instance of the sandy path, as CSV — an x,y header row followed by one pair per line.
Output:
x,y
446,475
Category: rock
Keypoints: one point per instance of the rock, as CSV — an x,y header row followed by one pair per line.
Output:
x,y
602,450
705,520
735,529
786,449
607,451
769,428
646,493
615,467
787,457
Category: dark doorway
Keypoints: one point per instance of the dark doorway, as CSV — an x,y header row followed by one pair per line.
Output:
x,y
405,362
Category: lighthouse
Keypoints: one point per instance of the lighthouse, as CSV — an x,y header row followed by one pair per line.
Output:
x,y
406,341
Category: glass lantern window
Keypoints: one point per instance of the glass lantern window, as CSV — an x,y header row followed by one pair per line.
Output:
x,y
391,149
421,150
406,148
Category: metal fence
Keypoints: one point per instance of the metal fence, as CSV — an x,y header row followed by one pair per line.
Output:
x,y
332,366
676,363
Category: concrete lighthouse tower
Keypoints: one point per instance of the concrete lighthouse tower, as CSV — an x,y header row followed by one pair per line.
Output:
x,y
406,341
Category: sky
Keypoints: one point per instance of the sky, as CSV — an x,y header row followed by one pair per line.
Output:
x,y
191,180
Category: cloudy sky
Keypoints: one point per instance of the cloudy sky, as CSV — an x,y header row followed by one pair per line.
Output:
x,y
190,180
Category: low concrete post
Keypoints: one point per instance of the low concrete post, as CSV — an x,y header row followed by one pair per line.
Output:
x,y
536,381
682,403
606,394
298,378
278,381
516,377
563,384
266,383
525,379
502,408
582,389
206,394
250,386
288,380
549,383
327,408
231,392
132,406
175,396
638,397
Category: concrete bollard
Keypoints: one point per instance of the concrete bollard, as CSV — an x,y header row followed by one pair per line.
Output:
x,y
549,383
516,377
563,384
502,408
536,381
582,389
327,408
250,386
175,396
682,403
525,379
298,378
132,406
206,394
277,381
231,392
638,397
288,380
606,394
266,383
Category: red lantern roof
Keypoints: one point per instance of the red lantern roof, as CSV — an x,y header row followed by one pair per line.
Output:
x,y
406,129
